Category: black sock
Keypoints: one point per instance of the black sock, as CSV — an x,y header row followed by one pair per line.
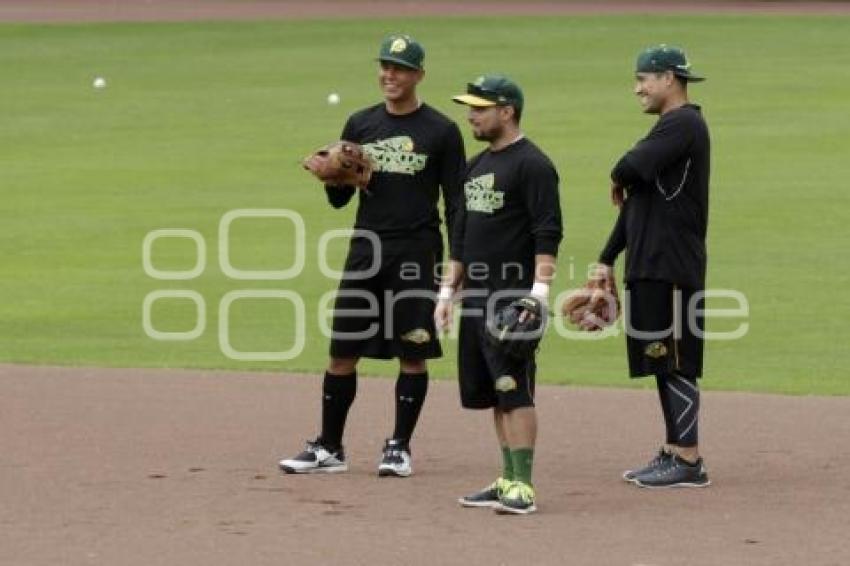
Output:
x,y
338,393
682,397
410,392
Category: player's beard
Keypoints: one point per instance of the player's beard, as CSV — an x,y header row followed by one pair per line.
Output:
x,y
488,135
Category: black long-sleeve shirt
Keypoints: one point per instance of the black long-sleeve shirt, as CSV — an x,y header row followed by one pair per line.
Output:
x,y
512,212
415,154
663,222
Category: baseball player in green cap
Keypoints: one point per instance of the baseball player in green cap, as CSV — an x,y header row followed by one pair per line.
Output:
x,y
506,237
385,303
661,189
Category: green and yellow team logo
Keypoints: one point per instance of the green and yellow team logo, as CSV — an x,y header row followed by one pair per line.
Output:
x,y
481,195
656,350
417,336
398,46
505,383
396,155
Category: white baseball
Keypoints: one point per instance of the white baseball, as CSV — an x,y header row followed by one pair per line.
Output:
x,y
333,99
99,82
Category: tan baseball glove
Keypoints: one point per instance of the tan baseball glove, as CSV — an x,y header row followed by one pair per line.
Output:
x,y
340,163
597,304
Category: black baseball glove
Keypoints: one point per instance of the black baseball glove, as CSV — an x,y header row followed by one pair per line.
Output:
x,y
516,329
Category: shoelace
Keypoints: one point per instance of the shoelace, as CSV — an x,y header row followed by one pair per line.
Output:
x,y
658,460
673,465
394,454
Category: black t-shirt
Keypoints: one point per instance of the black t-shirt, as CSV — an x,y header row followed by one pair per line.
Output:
x,y
415,154
512,212
664,221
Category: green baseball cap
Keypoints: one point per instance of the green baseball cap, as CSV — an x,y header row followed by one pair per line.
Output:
x,y
491,90
661,58
402,50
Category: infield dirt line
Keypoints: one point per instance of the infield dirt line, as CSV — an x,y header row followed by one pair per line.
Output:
x,y
188,10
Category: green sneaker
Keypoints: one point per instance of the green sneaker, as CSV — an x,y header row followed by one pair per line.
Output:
x,y
487,497
518,498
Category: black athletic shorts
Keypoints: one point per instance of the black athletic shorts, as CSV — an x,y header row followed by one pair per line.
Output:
x,y
660,338
389,314
488,378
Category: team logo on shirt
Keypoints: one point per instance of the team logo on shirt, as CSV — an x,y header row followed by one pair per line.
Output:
x,y
481,195
395,155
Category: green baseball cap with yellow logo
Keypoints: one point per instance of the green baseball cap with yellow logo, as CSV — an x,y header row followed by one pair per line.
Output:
x,y
402,50
491,90
661,58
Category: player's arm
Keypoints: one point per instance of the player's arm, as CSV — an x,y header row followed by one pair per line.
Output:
x,y
452,281
453,271
666,143
339,196
544,273
616,242
452,174
623,176
544,206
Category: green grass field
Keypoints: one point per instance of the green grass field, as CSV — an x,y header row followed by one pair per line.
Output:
x,y
201,119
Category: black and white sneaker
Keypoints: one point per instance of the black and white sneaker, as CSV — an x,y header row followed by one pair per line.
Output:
x,y
395,461
316,458
675,472
659,460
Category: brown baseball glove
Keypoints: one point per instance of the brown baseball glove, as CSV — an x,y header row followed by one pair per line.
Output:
x,y
597,304
340,163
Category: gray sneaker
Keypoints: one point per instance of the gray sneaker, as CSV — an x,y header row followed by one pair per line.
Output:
x,y
675,472
487,497
660,458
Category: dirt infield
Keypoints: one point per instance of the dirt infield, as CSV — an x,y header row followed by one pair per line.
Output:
x,y
141,467
185,10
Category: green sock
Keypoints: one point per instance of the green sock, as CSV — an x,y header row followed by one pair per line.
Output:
x,y
507,464
522,459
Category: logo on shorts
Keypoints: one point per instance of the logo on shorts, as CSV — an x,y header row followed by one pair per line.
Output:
x,y
417,336
505,383
656,350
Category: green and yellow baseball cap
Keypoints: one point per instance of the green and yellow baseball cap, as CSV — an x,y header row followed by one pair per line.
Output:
x,y
402,50
491,90
661,58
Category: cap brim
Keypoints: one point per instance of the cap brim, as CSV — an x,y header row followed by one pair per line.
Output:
x,y
472,100
401,62
689,77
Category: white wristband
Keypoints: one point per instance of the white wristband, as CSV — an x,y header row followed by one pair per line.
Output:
x,y
446,293
540,290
